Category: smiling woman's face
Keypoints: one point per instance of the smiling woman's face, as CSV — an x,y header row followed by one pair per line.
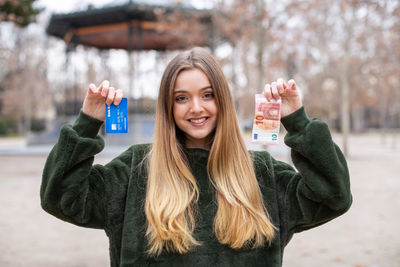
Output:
x,y
195,109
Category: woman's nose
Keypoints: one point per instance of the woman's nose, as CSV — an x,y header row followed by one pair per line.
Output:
x,y
196,105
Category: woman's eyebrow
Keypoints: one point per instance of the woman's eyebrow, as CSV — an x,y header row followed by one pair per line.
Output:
x,y
185,91
207,87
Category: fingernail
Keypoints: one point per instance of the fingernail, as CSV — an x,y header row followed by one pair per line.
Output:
x,y
93,88
280,88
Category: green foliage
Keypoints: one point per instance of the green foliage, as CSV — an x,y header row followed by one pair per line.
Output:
x,y
3,126
21,12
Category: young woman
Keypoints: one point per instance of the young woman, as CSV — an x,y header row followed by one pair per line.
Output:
x,y
196,196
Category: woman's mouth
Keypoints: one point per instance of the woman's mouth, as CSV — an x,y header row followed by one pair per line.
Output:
x,y
198,121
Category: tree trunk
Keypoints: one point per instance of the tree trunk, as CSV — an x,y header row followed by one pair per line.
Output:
x,y
358,119
383,115
344,78
345,122
235,89
260,44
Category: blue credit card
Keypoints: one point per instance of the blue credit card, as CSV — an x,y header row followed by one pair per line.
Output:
x,y
117,117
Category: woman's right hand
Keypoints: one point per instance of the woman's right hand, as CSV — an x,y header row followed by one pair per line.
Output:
x,y
96,97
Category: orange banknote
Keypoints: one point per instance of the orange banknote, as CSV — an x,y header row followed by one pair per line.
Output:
x,y
266,122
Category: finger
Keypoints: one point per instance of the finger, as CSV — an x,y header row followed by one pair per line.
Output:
x,y
285,85
292,84
267,92
110,95
100,87
93,89
118,97
104,88
274,91
283,82
279,86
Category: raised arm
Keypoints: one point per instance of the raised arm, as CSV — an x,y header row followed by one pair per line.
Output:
x,y
72,189
319,190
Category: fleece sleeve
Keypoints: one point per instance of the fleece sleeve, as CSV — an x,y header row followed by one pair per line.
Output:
x,y
320,189
75,190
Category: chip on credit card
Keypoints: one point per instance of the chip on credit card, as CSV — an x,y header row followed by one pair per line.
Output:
x,y
117,117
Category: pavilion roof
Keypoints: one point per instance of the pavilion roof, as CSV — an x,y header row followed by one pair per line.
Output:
x,y
135,26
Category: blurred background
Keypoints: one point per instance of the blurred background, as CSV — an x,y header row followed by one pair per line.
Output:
x,y
344,55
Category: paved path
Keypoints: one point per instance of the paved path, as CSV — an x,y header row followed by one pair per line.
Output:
x,y
366,236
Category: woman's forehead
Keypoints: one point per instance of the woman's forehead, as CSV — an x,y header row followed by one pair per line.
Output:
x,y
191,79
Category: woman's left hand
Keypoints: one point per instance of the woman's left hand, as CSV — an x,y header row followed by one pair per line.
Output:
x,y
288,92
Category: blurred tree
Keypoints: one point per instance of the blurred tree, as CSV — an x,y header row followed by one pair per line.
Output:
x,y
21,12
346,50
255,30
25,94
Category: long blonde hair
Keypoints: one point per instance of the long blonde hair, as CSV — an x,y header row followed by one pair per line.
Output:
x,y
172,192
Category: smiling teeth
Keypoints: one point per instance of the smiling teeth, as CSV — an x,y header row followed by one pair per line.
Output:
x,y
199,120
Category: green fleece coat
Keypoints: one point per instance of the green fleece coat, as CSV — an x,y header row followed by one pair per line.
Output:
x,y
111,197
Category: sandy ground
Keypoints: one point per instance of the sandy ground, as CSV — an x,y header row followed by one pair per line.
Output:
x,y
367,236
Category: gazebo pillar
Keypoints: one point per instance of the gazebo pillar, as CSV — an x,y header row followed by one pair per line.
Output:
x,y
134,30
130,59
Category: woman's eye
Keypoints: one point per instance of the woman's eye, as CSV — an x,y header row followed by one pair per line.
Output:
x,y
208,95
180,98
